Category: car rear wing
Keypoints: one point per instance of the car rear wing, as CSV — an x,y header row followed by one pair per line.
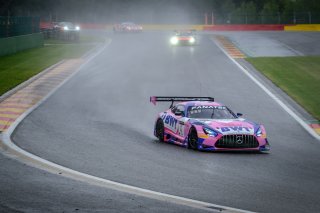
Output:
x,y
155,99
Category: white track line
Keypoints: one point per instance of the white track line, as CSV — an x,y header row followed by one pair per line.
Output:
x,y
273,96
35,161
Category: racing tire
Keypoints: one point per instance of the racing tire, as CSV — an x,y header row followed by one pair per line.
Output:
x,y
160,130
193,139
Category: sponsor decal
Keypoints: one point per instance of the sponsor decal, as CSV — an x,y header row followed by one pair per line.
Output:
x,y
171,121
207,107
175,125
235,129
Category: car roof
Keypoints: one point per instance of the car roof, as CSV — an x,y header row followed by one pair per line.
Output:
x,y
200,103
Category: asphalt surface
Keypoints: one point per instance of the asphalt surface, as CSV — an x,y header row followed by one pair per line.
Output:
x,y
100,122
276,43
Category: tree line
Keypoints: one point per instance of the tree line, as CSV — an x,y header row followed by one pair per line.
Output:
x,y
165,11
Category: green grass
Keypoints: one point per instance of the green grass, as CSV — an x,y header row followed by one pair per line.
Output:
x,y
299,77
19,67
82,40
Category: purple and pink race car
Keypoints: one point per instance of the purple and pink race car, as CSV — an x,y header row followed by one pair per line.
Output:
x,y
200,123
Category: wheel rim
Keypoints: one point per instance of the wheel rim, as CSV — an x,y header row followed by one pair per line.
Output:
x,y
193,140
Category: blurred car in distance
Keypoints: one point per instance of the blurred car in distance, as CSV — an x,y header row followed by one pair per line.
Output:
x,y
127,27
67,31
184,37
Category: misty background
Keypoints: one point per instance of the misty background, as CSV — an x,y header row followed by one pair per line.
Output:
x,y
167,11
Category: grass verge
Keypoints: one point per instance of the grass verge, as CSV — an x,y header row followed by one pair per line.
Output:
x,y
299,77
19,67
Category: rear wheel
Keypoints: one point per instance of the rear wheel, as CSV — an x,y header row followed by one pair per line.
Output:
x,y
160,130
193,139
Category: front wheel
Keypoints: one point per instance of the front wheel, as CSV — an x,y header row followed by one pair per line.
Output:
x,y
193,139
160,130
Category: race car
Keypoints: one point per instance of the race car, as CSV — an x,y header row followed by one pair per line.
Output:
x,y
184,37
200,123
67,31
127,27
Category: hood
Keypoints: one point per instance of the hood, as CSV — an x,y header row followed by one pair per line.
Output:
x,y
231,126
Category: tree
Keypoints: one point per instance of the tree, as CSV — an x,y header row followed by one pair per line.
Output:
x,y
270,13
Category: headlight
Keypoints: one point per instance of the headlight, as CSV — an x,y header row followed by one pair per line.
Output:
x,y
210,132
66,28
259,132
174,40
77,28
192,40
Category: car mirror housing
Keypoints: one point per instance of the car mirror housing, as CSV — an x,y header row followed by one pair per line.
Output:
x,y
239,114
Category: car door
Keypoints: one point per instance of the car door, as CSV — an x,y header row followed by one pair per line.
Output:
x,y
175,121
170,121
181,120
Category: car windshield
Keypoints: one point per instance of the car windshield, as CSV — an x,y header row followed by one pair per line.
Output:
x,y
67,24
210,112
184,34
128,23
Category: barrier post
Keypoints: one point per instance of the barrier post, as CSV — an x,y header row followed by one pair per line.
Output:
x,y
212,18
206,19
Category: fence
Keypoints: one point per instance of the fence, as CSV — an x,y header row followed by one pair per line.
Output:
x,y
15,26
14,44
265,18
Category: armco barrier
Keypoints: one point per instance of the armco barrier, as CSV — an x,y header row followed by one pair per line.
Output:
x,y
147,27
171,27
244,27
303,27
15,44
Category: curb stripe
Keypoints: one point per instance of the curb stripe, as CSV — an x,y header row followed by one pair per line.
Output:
x,y
315,125
2,110
7,123
229,47
17,106
10,112
6,119
4,127
8,116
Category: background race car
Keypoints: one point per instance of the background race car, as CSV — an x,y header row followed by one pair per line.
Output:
x,y
67,31
184,37
127,27
200,123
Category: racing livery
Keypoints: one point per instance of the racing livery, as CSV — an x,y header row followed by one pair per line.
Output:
x,y
200,123
127,27
184,37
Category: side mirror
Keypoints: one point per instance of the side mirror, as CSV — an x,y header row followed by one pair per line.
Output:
x,y
178,113
239,114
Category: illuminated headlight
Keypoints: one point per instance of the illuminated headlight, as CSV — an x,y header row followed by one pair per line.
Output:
x,y
192,40
210,132
66,28
174,40
77,28
259,132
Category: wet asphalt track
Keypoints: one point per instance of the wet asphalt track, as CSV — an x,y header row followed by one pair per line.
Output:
x,y
100,123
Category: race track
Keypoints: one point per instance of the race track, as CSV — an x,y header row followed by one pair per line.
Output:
x,y
100,122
